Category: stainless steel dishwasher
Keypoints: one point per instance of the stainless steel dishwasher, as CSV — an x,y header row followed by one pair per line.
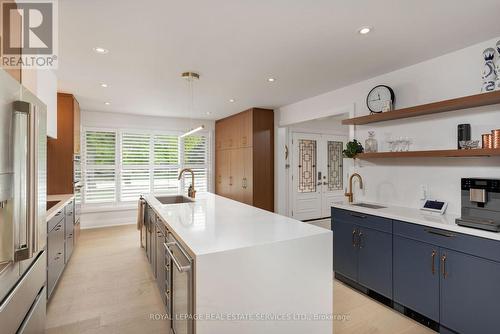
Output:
x,y
181,290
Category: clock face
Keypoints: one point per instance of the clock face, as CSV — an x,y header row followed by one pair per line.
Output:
x,y
378,97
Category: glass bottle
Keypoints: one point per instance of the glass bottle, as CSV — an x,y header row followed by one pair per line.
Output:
x,y
371,144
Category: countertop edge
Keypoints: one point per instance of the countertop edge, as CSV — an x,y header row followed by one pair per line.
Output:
x,y
63,199
447,220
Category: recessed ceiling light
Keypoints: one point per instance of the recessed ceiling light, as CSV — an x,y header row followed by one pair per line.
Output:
x,y
107,103
271,79
364,30
231,100
100,50
104,85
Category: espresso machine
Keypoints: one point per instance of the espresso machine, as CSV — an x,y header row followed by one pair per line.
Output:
x,y
480,204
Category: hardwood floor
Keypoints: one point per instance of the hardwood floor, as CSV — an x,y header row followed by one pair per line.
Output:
x,y
107,287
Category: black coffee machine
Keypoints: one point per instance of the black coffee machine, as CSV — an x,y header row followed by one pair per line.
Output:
x,y
480,204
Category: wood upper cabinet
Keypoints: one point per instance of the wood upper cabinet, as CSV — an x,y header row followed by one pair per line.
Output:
x,y
61,151
244,158
245,129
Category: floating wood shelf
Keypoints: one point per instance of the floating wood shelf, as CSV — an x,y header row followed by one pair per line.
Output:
x,y
460,103
431,154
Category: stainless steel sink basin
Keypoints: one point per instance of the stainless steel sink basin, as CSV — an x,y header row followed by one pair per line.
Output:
x,y
175,199
369,206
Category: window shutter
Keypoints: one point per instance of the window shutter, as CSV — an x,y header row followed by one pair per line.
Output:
x,y
100,159
195,153
135,156
166,164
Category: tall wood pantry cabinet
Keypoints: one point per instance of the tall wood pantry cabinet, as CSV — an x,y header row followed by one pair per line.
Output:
x,y
244,157
61,152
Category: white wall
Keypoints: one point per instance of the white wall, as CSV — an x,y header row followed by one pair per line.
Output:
x,y
397,181
43,83
120,215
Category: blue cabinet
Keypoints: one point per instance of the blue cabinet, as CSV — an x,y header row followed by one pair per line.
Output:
x,y
363,254
416,276
375,260
470,293
345,252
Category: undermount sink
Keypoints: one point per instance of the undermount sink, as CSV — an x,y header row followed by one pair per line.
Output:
x,y
369,206
176,199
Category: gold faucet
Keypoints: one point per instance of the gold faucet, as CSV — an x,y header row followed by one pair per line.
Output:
x,y
191,191
349,194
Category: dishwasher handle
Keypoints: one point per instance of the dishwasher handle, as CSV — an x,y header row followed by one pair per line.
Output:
x,y
174,259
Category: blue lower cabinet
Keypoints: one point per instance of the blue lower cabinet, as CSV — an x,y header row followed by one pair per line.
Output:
x,y
375,260
416,276
345,251
470,293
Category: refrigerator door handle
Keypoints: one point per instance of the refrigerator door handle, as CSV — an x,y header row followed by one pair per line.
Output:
x,y
26,251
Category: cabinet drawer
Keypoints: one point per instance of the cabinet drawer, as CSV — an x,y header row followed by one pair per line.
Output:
x,y
55,256
69,208
55,220
485,248
361,219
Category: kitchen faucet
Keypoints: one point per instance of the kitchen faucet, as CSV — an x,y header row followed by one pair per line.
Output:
x,y
191,191
350,194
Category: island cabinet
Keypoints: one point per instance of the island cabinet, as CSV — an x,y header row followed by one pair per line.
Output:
x,y
363,249
448,277
244,158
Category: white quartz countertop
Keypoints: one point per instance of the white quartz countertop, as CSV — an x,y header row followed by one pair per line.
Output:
x,y
63,199
214,223
416,216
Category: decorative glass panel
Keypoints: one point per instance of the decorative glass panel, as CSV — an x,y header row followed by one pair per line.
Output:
x,y
335,168
307,166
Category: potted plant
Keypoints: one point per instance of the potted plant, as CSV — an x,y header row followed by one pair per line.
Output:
x,y
353,148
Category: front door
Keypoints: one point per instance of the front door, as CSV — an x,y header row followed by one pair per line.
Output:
x,y
317,175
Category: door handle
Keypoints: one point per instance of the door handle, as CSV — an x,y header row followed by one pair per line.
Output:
x,y
354,238
443,234
174,259
433,257
26,251
443,261
360,243
230,180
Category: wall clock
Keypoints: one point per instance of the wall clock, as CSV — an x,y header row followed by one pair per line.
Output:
x,y
378,98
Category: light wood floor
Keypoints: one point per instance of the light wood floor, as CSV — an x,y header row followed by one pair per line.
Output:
x,y
107,288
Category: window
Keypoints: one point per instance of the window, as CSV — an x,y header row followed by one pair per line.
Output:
x,y
100,173
196,158
119,166
135,173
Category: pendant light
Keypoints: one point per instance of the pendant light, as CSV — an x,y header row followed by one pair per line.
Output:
x,y
191,77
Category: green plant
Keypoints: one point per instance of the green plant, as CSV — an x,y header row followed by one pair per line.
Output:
x,y
352,148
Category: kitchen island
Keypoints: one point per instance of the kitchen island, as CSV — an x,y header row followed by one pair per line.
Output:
x,y
227,267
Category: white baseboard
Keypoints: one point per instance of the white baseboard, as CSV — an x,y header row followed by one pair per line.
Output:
x,y
108,218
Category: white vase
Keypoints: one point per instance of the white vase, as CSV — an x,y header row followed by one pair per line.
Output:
x,y
489,71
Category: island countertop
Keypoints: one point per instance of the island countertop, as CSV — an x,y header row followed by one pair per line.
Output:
x,y
214,224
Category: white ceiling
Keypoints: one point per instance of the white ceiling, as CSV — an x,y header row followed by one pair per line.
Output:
x,y
309,46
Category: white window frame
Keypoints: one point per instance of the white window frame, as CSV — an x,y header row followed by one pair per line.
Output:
x,y
117,204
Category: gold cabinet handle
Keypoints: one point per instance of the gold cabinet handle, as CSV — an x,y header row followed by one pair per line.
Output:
x,y
433,256
443,261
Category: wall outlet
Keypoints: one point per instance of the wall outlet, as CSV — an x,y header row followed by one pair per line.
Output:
x,y
424,192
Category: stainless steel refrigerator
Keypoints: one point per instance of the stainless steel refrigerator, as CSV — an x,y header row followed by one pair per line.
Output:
x,y
23,231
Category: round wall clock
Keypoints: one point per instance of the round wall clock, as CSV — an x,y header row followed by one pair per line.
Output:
x,y
378,97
